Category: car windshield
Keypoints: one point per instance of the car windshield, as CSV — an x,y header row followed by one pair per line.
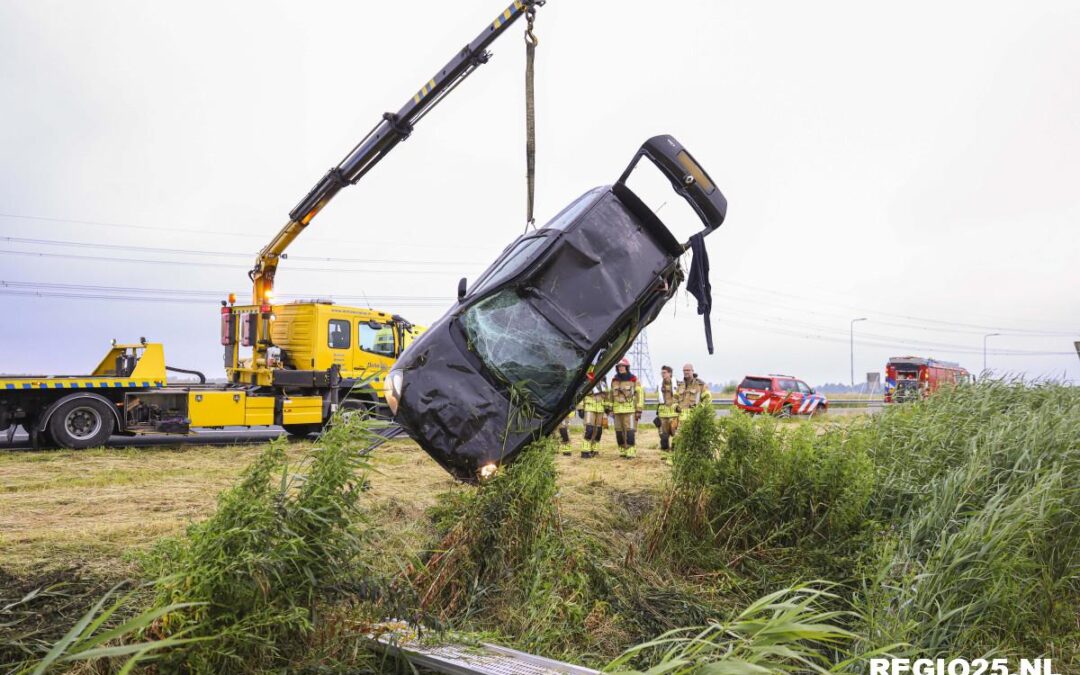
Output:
x,y
518,344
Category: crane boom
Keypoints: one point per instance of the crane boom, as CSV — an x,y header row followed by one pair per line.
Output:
x,y
391,130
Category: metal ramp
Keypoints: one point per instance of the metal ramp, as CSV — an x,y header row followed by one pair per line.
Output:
x,y
459,659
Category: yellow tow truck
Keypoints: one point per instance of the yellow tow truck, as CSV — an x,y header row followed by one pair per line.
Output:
x,y
287,364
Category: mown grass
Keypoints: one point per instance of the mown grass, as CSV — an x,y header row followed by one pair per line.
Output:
x,y
948,527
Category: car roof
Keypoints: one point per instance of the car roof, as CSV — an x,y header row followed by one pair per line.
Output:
x,y
770,377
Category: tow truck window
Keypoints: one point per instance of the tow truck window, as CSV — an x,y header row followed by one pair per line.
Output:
x,y
338,334
512,261
518,344
376,340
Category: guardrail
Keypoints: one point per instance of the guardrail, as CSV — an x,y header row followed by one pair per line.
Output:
x,y
833,402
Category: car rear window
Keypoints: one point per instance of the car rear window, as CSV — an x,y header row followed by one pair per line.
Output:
x,y
756,383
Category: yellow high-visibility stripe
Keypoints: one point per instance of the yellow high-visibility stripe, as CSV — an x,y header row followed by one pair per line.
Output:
x,y
74,384
507,14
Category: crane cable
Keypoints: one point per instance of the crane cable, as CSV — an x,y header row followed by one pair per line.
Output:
x,y
530,118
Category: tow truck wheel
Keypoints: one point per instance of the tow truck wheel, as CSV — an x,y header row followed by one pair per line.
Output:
x,y
358,406
301,431
81,423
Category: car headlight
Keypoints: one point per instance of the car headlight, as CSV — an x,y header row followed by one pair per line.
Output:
x,y
392,390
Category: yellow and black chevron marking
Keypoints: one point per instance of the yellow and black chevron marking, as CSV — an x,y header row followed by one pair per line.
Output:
x,y
425,91
507,14
79,383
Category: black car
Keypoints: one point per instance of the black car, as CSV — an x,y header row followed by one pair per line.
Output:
x,y
506,364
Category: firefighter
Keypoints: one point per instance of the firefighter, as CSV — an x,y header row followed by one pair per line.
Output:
x,y
594,409
564,436
689,393
627,401
667,420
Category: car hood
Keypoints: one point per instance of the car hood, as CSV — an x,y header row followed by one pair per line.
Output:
x,y
452,411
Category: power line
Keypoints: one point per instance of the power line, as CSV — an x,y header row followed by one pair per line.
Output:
x,y
192,263
938,325
203,293
891,339
164,299
203,297
819,300
222,254
245,235
874,343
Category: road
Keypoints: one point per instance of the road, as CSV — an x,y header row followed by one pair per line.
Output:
x,y
246,436
227,436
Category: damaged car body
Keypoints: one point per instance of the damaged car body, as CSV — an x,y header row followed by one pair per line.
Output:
x,y
510,359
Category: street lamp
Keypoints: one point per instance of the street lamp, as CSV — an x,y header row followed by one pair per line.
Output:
x,y
853,322
988,335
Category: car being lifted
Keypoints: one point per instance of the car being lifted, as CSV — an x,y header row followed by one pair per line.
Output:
x,y
503,366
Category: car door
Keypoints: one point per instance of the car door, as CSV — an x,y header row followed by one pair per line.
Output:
x,y
807,401
792,396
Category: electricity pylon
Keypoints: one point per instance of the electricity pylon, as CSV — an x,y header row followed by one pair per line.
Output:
x,y
640,361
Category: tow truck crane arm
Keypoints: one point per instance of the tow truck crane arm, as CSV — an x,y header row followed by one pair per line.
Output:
x,y
391,130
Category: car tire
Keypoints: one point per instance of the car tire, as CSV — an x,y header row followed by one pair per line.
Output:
x,y
81,423
785,411
820,411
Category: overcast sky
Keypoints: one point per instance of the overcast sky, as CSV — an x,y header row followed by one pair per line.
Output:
x,y
916,164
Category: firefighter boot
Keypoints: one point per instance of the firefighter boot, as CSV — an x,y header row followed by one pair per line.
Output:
x,y
620,440
587,449
631,449
564,436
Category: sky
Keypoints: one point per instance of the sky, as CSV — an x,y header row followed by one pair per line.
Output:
x,y
915,165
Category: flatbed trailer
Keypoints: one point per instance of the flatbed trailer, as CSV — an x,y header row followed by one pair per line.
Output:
x,y
129,394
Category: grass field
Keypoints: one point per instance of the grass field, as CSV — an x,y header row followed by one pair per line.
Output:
x,y
93,508
947,527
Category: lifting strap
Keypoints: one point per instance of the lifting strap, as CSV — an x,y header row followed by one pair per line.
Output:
x,y
530,119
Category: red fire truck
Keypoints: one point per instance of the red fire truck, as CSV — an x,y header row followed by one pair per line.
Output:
x,y
908,378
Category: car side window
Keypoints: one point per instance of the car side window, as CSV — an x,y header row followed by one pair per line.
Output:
x,y
376,340
788,385
510,263
803,387
338,334
570,213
